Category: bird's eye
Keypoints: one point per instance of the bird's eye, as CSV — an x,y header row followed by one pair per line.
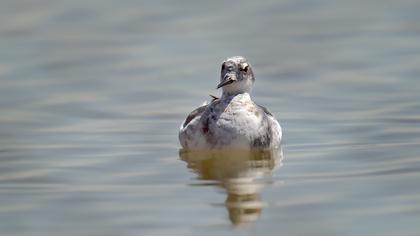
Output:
x,y
244,68
223,66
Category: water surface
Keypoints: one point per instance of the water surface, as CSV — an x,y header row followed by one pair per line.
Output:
x,y
92,95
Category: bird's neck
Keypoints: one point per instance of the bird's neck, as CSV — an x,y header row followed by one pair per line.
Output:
x,y
230,95
240,87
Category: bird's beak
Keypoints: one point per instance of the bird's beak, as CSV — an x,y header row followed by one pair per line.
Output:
x,y
227,79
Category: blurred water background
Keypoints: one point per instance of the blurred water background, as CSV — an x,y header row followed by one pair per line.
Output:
x,y
92,94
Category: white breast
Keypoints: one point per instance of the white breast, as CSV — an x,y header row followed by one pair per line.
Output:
x,y
234,122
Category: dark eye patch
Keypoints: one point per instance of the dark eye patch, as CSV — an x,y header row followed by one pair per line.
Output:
x,y
223,66
245,69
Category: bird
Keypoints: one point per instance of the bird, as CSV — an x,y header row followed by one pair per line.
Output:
x,y
232,121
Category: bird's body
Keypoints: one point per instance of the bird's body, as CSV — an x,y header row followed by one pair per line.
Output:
x,y
234,120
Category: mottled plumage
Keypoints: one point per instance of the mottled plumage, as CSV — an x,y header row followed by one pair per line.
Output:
x,y
234,120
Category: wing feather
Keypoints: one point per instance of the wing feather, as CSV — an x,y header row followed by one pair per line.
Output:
x,y
194,114
266,111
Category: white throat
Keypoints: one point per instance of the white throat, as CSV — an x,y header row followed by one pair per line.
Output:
x,y
237,87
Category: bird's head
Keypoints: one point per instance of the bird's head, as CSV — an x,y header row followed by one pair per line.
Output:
x,y
236,76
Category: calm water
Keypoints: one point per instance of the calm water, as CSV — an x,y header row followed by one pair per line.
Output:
x,y
92,94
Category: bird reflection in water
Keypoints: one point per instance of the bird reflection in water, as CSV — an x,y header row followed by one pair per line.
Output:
x,y
240,173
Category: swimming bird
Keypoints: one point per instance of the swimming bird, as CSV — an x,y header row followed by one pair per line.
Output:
x,y
233,120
